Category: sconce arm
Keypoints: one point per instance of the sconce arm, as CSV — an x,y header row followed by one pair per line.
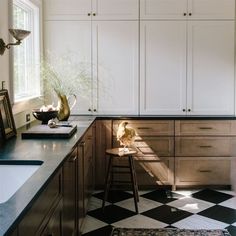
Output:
x,y
18,42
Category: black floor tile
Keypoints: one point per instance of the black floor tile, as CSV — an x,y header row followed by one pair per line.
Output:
x,y
111,214
167,214
211,195
232,230
162,195
114,196
220,213
104,231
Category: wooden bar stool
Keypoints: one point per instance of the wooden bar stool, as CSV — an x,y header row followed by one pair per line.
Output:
x,y
119,152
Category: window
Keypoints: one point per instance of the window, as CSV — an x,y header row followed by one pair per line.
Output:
x,y
26,57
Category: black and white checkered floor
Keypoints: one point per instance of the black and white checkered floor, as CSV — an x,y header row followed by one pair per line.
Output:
x,y
199,209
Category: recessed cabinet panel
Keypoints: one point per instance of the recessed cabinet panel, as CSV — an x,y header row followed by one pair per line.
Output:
x,y
70,41
115,58
163,67
147,127
67,9
205,127
202,146
210,68
163,9
115,9
211,9
203,171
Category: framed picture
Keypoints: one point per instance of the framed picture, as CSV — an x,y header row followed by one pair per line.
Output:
x,y
7,124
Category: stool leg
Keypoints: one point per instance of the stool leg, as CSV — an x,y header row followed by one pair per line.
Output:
x,y
107,182
135,178
134,183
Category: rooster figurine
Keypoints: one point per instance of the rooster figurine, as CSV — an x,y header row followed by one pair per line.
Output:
x,y
126,136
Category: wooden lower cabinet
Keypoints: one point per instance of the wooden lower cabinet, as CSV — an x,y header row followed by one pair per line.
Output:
x,y
54,225
70,191
203,171
40,213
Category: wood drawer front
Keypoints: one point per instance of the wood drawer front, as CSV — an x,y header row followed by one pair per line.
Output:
x,y
159,146
202,146
149,170
35,218
202,171
147,127
200,127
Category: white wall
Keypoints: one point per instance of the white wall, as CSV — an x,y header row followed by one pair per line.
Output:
x,y
4,59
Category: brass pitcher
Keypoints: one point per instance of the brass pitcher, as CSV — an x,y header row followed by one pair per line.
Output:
x,y
63,106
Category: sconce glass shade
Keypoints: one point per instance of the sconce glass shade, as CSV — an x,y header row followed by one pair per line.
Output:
x,y
18,34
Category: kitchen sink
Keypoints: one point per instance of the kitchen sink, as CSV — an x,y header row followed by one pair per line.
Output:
x,y
13,174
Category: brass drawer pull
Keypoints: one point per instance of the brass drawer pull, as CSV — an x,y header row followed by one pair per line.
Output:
x,y
144,128
205,146
205,128
205,171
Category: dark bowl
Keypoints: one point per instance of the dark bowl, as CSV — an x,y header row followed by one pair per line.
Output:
x,y
44,116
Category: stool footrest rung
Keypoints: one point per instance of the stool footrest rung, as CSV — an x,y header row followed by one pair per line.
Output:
x,y
120,172
116,166
121,181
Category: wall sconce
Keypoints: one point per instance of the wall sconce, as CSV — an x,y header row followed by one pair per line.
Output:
x,y
18,34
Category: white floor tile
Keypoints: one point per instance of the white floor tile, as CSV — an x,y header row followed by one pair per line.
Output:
x,y
231,203
199,222
139,221
143,204
192,205
91,224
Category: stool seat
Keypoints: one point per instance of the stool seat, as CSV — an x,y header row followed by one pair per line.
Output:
x,y
127,153
120,152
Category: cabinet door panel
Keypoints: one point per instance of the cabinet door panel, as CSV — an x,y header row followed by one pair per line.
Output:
x,y
163,9
211,9
211,67
115,9
163,67
72,40
203,146
67,9
115,58
202,171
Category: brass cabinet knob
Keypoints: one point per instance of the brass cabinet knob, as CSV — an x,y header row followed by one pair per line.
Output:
x,y
190,14
89,109
189,110
94,110
89,14
184,110
185,14
94,14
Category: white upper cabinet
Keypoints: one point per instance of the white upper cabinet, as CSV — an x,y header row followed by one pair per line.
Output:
x,y
163,9
115,9
71,40
210,75
187,9
211,9
67,10
91,9
162,67
115,61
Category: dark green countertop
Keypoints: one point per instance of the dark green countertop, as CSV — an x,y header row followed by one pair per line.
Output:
x,y
52,152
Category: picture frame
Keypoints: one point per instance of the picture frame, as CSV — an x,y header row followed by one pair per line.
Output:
x,y
7,123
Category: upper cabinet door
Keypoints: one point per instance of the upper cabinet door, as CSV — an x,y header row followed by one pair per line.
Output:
x,y
69,43
211,9
210,68
115,58
67,9
163,9
162,67
115,9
